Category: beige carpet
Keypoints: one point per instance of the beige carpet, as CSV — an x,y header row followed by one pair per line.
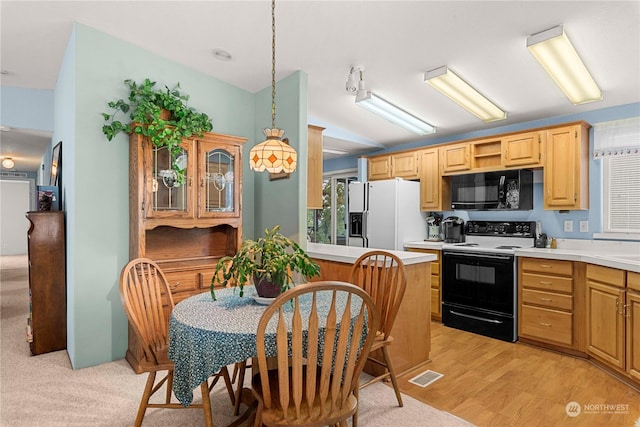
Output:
x,y
44,391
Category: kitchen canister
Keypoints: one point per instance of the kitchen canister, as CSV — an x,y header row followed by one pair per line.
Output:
x,y
434,232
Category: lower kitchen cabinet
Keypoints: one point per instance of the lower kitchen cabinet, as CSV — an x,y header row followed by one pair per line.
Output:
x,y
549,309
436,293
613,326
632,312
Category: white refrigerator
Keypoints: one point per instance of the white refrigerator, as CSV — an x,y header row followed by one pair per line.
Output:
x,y
385,214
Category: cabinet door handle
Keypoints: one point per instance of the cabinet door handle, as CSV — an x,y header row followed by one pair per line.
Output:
x,y
546,299
545,266
544,282
548,325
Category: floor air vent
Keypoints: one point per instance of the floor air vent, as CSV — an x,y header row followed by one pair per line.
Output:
x,y
426,378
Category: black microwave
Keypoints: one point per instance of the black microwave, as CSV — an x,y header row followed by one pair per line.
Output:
x,y
504,190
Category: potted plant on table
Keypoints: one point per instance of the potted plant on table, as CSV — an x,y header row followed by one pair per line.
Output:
x,y
162,115
269,261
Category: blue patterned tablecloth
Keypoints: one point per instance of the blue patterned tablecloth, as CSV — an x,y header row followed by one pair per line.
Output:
x,y
205,335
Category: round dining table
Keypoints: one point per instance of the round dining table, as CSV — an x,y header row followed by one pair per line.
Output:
x,y
206,335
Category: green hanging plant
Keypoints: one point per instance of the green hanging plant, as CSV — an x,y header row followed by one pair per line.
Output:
x,y
162,115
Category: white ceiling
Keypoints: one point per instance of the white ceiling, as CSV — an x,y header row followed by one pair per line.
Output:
x,y
396,41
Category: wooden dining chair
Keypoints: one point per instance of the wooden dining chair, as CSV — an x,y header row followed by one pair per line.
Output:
x,y
382,275
320,334
147,301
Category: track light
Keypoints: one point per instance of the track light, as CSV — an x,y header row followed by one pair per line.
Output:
x,y
386,109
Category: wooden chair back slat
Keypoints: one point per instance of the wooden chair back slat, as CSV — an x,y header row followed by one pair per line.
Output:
x,y
142,285
382,275
339,342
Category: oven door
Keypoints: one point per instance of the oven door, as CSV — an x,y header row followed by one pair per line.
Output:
x,y
479,280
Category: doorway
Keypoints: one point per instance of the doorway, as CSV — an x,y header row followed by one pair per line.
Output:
x,y
329,224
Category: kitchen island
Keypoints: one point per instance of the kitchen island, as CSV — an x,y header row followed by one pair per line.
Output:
x,y
411,331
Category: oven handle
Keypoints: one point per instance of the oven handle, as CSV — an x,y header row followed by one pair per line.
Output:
x,y
475,317
479,255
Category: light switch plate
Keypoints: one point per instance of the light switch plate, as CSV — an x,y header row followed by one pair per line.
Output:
x,y
584,226
568,226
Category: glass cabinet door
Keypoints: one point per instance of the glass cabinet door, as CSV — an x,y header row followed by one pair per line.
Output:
x,y
219,190
170,195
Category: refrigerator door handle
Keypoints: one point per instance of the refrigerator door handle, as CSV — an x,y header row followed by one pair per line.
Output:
x,y
365,229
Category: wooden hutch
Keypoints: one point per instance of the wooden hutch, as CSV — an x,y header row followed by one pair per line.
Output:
x,y
185,225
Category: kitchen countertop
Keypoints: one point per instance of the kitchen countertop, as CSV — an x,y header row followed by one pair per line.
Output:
x,y
614,254
349,254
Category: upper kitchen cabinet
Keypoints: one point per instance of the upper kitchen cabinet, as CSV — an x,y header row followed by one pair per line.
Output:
x,y
379,168
314,169
434,189
455,157
486,154
566,168
523,150
403,165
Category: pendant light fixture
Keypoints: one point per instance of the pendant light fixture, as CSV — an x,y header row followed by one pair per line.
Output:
x,y
273,154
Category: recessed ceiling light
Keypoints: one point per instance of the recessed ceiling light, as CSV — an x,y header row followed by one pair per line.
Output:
x,y
222,55
5,128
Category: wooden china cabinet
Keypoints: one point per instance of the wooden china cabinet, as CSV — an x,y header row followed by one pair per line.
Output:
x,y
185,225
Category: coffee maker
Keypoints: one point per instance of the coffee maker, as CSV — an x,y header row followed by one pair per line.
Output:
x,y
453,228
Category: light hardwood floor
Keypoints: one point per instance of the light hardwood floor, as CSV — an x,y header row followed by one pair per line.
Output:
x,y
494,383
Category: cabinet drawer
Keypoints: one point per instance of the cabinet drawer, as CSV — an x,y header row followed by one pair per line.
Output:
x,y
633,280
186,283
435,267
610,276
435,281
548,266
435,301
549,283
547,299
546,324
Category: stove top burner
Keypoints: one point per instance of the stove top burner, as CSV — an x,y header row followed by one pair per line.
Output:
x,y
508,247
466,244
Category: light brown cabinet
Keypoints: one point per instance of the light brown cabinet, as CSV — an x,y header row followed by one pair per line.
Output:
x,y
47,322
436,292
546,301
314,168
486,155
455,157
434,188
632,313
186,227
523,150
566,168
613,301
379,168
403,165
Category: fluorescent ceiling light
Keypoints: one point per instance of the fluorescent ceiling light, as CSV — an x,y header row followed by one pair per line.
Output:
x,y
385,109
333,151
447,82
556,54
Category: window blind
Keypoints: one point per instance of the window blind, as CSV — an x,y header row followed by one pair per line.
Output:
x,y
622,194
618,137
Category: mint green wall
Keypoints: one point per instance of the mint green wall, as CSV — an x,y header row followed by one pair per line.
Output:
x,y
284,201
96,176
